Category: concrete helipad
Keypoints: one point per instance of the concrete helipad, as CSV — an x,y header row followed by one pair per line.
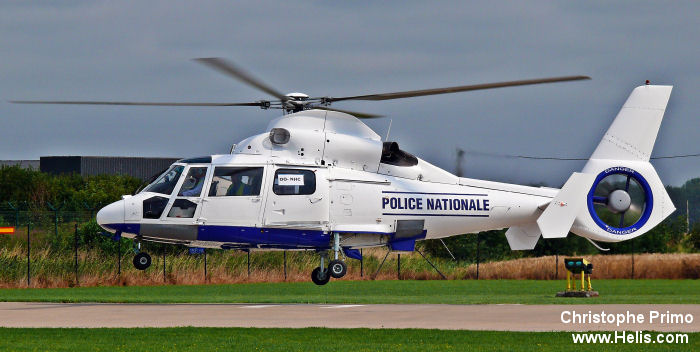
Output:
x,y
425,316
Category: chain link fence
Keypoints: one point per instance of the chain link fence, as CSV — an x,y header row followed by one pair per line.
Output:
x,y
59,248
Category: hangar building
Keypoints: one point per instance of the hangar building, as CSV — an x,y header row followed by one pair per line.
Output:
x,y
139,167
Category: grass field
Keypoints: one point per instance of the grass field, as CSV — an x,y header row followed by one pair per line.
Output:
x,y
310,339
367,292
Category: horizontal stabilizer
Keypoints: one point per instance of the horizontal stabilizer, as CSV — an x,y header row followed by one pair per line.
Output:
x,y
556,220
523,237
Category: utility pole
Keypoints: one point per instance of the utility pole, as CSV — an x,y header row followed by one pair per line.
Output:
x,y
687,216
460,155
478,242
75,247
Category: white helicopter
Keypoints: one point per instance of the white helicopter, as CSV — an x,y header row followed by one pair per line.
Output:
x,y
319,179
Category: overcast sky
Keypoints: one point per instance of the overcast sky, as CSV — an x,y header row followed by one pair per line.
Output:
x,y
135,50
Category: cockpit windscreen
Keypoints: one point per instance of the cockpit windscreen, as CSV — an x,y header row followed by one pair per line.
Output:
x,y
165,184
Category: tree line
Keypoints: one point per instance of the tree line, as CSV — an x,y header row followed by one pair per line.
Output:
x,y
34,190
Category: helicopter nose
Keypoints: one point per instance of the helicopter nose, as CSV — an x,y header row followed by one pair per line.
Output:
x,y
112,214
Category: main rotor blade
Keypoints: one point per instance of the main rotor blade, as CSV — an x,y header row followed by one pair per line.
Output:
x,y
424,92
361,115
129,103
238,73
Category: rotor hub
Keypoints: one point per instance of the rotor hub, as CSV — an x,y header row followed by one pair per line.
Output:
x,y
619,201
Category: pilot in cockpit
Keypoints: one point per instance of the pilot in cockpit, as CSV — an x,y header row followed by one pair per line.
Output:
x,y
197,180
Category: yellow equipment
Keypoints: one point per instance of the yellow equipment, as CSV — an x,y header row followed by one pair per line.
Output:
x,y
577,266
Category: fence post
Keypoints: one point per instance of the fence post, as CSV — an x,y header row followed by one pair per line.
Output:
x,y
119,257
362,259
285,265
75,247
16,209
248,251
205,265
164,280
91,209
632,243
398,266
478,243
55,210
29,228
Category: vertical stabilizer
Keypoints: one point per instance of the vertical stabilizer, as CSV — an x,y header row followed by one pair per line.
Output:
x,y
618,195
633,133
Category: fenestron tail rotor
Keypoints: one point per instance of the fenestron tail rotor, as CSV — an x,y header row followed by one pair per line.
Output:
x,y
619,200
295,102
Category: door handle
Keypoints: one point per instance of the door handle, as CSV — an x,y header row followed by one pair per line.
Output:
x,y
315,199
255,200
200,221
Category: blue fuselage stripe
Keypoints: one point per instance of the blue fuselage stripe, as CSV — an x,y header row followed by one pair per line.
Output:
x,y
442,194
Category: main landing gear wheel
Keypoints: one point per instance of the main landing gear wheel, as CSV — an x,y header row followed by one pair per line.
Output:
x,y
337,268
320,277
142,261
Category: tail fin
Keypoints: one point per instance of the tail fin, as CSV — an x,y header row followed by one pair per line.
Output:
x,y
633,133
620,195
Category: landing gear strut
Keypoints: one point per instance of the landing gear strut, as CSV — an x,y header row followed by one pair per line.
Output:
x,y
141,260
336,267
320,276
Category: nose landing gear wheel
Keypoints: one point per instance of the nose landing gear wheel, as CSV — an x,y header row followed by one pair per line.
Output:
x,y
142,261
320,277
337,268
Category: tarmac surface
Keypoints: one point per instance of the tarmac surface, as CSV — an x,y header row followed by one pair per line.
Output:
x,y
424,316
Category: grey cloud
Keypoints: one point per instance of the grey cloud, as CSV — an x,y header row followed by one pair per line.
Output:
x,y
142,50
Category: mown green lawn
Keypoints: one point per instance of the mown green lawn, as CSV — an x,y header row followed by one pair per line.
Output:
x,y
366,292
309,339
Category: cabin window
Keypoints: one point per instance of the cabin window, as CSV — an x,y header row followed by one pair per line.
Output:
x,y
236,181
165,184
294,182
153,207
194,181
182,208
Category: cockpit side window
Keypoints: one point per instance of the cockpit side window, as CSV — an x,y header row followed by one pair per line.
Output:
x,y
192,186
236,181
165,184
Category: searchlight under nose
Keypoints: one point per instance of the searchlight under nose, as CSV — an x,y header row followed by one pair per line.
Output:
x,y
112,214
